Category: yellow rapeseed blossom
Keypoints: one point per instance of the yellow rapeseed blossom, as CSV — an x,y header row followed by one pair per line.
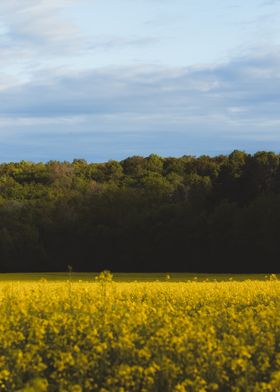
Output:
x,y
154,336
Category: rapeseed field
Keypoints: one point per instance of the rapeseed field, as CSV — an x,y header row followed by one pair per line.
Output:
x,y
140,336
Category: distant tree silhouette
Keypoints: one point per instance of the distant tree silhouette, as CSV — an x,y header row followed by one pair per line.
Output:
x,y
205,214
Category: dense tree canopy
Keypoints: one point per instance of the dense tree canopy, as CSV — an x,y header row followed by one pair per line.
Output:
x,y
208,214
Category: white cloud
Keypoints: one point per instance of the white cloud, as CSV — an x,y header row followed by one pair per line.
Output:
x,y
36,21
240,92
210,106
36,31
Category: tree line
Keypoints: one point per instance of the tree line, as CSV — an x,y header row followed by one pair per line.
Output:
x,y
149,214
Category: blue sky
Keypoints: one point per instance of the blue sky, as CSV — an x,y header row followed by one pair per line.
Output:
x,y
106,79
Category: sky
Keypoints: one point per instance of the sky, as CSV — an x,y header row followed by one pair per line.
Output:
x,y
107,79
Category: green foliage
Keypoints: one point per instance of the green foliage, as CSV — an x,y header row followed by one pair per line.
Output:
x,y
142,214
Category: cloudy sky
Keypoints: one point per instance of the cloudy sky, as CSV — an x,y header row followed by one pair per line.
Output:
x,y
107,79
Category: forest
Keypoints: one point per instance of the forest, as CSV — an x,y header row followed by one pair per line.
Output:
x,y
142,214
